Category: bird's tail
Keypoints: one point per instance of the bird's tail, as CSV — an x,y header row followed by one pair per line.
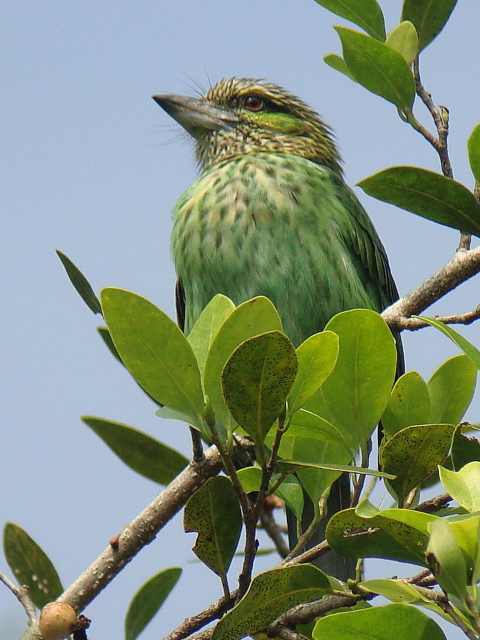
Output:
x,y
331,562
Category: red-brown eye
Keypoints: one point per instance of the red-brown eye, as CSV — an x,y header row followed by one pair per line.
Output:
x,y
254,103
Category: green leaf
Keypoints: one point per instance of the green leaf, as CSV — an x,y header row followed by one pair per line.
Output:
x,y
451,389
140,452
378,623
251,318
414,453
295,465
257,379
427,194
463,485
317,357
393,534
404,39
80,283
270,594
394,590
474,152
31,565
378,68
367,14
290,491
428,16
214,512
467,347
250,478
464,450
155,351
446,560
148,600
310,438
207,326
466,531
409,404
339,64
353,398
107,339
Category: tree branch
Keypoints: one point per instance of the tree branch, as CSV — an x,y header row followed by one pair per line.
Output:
x,y
141,531
22,595
413,324
274,532
463,266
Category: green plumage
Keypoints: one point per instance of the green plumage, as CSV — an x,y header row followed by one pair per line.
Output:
x,y
284,227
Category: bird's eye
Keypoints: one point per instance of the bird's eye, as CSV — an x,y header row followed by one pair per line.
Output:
x,y
254,103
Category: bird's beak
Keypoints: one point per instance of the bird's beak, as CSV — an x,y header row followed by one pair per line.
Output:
x,y
196,116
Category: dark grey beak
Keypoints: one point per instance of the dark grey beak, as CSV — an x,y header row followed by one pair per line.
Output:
x,y
194,115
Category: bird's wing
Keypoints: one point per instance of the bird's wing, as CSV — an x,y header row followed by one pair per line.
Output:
x,y
180,304
363,241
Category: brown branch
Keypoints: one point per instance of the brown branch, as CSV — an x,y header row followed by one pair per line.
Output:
x,y
141,531
309,555
22,595
196,622
412,324
440,117
304,613
274,531
463,266
434,504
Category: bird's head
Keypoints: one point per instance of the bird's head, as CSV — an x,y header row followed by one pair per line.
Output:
x,y
239,116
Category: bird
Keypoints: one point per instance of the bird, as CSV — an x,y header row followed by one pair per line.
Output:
x,y
271,214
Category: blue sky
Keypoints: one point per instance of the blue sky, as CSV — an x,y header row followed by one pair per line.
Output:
x,y
92,166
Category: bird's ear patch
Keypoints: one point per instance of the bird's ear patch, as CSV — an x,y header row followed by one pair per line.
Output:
x,y
277,121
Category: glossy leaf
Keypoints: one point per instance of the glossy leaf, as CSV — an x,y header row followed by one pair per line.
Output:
x,y
414,453
446,560
466,531
409,404
428,16
378,68
295,465
451,389
316,357
142,453
31,565
207,326
339,64
270,594
155,351
467,347
463,485
474,152
367,14
148,600
378,623
214,512
404,39
104,333
464,450
81,284
251,318
257,379
311,438
393,534
250,479
354,398
394,590
427,194
291,492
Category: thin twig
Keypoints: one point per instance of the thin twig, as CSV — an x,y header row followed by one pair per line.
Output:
x,y
412,324
22,595
196,622
440,117
309,555
274,531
